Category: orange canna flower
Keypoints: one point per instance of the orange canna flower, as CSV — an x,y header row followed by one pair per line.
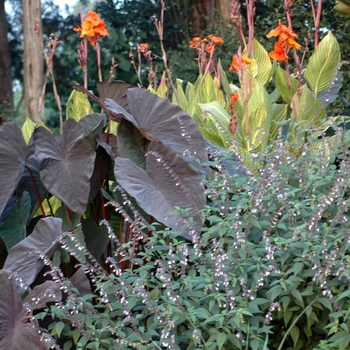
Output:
x,y
210,48
93,27
233,98
143,47
281,30
215,40
279,54
237,63
195,42
292,43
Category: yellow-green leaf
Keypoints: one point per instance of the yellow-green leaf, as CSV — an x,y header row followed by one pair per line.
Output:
x,y
27,129
78,106
343,8
323,64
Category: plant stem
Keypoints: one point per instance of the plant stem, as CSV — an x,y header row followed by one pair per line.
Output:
x,y
293,324
36,191
317,22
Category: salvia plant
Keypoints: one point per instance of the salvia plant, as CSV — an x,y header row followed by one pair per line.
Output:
x,y
219,220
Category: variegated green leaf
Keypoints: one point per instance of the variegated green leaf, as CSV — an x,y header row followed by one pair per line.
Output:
x,y
343,8
308,108
260,115
180,98
282,85
224,81
279,113
78,106
221,120
323,64
261,66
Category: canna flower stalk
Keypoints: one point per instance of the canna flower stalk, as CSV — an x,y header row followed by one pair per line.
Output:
x,y
92,28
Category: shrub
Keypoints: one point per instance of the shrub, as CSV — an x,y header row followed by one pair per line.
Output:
x,y
269,270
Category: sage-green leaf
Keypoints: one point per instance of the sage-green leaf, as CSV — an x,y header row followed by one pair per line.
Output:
x,y
323,64
221,339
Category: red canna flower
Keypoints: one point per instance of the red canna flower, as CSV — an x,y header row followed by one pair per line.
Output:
x,y
93,27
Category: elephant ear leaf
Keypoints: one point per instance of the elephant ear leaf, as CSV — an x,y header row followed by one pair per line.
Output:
x,y
169,123
43,239
16,332
323,64
64,159
115,90
13,156
168,182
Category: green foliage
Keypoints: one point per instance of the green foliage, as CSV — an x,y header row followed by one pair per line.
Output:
x,y
268,270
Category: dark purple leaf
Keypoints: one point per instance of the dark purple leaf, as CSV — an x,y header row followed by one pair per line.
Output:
x,y
167,182
96,237
16,330
26,182
44,293
117,91
159,119
13,155
67,163
169,123
81,282
131,143
23,260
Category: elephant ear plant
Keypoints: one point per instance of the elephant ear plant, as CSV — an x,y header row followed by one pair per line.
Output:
x,y
56,189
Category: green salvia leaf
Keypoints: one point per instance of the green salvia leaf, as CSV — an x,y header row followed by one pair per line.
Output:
x,y
323,64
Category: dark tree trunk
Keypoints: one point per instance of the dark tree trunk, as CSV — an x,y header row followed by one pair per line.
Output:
x,y
202,14
32,59
6,93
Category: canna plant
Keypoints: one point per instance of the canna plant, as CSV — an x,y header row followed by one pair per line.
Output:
x,y
271,93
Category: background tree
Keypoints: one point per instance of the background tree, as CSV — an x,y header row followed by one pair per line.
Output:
x,y
32,58
6,93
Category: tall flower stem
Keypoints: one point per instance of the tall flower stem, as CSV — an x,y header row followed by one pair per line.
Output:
x,y
250,18
98,54
85,73
159,26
